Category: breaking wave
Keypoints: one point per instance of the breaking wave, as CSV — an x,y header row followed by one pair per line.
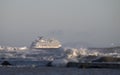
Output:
x,y
60,56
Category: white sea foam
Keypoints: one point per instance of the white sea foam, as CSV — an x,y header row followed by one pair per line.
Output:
x,y
58,57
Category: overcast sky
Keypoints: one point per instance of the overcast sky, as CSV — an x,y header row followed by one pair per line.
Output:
x,y
94,22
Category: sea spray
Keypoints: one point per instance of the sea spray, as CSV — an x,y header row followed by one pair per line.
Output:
x,y
63,55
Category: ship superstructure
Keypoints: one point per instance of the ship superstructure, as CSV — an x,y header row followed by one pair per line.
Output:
x,y
42,43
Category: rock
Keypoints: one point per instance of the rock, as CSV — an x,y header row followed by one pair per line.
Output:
x,y
73,64
49,64
5,63
107,59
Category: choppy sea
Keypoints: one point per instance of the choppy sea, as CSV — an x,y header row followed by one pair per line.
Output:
x,y
39,57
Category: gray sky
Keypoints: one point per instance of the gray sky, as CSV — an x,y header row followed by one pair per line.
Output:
x,y
96,22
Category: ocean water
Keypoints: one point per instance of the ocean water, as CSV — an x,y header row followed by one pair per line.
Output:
x,y
56,71
59,57
28,61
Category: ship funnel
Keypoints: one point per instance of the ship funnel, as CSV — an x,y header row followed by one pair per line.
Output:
x,y
40,37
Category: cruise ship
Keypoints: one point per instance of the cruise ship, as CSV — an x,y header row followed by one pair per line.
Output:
x,y
42,43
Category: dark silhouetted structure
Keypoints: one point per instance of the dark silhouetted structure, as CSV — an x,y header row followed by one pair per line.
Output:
x,y
5,63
